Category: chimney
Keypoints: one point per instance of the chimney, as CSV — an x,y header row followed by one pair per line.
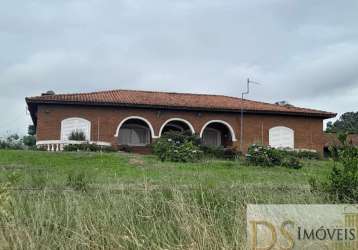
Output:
x,y
50,92
284,103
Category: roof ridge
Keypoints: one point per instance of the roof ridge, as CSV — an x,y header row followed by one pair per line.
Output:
x,y
146,91
152,91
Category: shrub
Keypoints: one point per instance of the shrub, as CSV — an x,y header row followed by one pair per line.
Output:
x,y
277,155
183,137
267,156
77,135
220,152
343,180
88,147
261,156
308,155
291,162
12,142
177,147
231,153
29,140
212,151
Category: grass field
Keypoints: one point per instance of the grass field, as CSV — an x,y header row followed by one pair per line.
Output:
x,y
137,202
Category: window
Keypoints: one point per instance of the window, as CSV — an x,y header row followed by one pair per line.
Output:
x,y
134,135
211,137
75,124
281,137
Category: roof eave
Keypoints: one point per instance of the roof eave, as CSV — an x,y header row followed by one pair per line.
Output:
x,y
325,115
32,109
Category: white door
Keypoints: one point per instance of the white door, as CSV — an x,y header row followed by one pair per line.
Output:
x,y
281,137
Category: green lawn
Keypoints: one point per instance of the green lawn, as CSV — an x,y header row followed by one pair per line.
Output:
x,y
138,202
120,168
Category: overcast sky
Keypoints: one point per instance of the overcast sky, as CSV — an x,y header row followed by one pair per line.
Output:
x,y
302,51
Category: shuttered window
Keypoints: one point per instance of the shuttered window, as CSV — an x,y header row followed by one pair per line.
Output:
x,y
281,137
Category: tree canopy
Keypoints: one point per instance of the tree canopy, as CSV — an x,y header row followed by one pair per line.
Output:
x,y
31,130
347,123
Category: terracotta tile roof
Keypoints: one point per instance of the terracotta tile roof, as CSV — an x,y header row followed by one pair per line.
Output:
x,y
173,101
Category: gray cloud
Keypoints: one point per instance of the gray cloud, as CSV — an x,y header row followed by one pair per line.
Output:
x,y
302,51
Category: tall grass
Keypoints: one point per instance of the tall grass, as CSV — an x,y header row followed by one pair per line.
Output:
x,y
151,218
116,201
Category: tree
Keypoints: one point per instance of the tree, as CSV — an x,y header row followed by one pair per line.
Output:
x,y
77,135
30,139
347,123
31,130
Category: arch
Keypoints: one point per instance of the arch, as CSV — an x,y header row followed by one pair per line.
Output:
x,y
70,124
281,137
139,118
176,119
233,137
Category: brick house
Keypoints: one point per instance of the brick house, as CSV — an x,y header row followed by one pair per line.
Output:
x,y
137,118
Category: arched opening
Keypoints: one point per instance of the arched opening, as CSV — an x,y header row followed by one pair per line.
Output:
x,y
75,124
177,125
281,137
134,132
217,133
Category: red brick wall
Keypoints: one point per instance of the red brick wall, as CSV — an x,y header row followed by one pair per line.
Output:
x,y
308,131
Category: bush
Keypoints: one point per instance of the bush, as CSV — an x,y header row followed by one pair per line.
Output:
x,y
183,137
342,185
29,140
88,147
291,162
231,154
77,135
308,155
212,151
277,155
12,142
343,181
262,156
177,147
220,152
267,156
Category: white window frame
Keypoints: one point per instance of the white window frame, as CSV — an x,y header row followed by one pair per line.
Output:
x,y
87,133
280,130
